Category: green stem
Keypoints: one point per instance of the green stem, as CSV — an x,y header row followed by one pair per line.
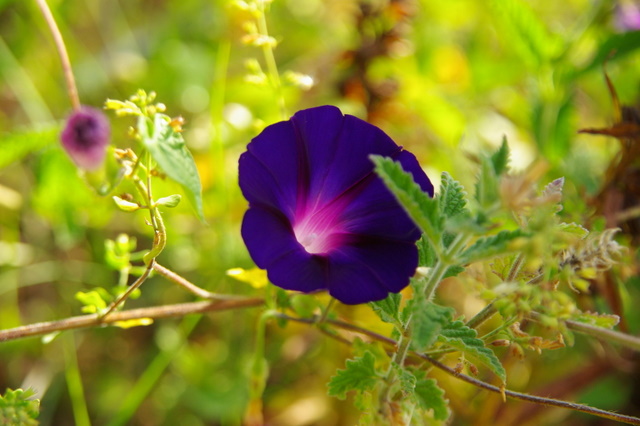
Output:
x,y
270,59
486,313
74,383
515,268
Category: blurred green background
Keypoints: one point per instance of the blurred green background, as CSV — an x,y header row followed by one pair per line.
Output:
x,y
445,79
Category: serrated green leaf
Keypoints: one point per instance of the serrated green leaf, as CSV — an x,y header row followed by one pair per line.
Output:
x,y
388,309
430,396
169,150
406,380
488,247
17,409
426,254
452,271
421,208
452,196
15,146
463,338
500,158
599,320
359,374
428,321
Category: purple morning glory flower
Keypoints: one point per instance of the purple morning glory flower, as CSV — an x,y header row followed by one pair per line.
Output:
x,y
85,137
319,217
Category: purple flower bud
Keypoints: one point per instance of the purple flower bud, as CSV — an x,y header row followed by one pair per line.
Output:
x,y
85,137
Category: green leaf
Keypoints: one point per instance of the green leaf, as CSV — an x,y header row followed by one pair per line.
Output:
x,y
622,44
487,247
487,184
17,409
92,300
15,146
359,374
452,196
574,229
463,338
421,208
430,396
599,320
406,380
500,158
428,321
389,308
452,271
426,254
169,150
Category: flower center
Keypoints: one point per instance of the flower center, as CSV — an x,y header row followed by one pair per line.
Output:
x,y
318,233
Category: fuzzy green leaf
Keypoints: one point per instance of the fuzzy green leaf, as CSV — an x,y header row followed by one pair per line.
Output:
x,y
430,396
421,208
463,338
359,374
488,247
168,149
429,320
17,409
389,308
426,254
452,196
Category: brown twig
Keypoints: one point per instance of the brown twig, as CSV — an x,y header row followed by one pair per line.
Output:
x,y
191,287
532,398
155,312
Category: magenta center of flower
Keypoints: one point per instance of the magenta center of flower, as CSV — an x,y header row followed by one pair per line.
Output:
x,y
319,232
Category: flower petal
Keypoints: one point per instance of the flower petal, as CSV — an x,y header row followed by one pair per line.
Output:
x,y
392,262
375,211
276,150
351,283
299,271
337,149
267,235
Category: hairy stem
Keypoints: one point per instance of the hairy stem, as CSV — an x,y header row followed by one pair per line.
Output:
x,y
62,52
486,313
